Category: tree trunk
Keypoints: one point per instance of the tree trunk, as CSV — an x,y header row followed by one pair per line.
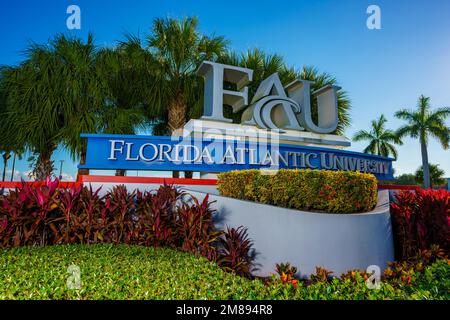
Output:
x,y
83,172
177,114
6,157
425,166
4,170
120,172
176,119
13,166
43,167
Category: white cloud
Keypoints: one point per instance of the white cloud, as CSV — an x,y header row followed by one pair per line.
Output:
x,y
67,177
18,176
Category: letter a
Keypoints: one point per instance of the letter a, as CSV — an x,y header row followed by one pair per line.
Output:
x,y
374,20
74,20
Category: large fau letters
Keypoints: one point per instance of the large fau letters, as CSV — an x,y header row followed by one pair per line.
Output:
x,y
215,96
271,107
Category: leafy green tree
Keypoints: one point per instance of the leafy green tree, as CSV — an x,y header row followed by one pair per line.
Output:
x,y
437,177
422,123
405,179
381,140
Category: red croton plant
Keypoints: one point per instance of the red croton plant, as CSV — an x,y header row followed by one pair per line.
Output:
x,y
50,214
420,220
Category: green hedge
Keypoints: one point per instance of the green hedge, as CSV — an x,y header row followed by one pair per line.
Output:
x,y
137,272
321,190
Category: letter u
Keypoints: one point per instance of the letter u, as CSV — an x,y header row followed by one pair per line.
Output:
x,y
327,105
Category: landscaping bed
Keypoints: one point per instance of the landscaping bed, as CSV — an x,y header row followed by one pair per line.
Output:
x,y
138,272
165,245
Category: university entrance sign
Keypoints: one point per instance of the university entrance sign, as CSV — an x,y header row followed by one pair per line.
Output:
x,y
133,152
276,131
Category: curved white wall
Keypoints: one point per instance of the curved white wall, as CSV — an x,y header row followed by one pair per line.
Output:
x,y
338,242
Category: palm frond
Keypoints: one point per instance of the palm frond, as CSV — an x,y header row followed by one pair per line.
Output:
x,y
441,133
405,114
363,135
424,122
371,148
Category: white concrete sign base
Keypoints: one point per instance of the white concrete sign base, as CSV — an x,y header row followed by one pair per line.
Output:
x,y
338,242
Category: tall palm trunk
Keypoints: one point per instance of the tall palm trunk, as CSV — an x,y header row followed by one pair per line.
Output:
x,y
425,165
176,119
175,174
13,166
177,114
6,157
43,167
120,172
81,171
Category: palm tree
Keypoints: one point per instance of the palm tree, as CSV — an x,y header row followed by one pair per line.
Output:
x,y
85,88
113,83
6,156
436,175
380,139
34,113
421,123
263,65
179,49
17,154
66,88
12,144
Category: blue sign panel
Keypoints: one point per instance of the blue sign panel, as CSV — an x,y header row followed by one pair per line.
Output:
x,y
133,152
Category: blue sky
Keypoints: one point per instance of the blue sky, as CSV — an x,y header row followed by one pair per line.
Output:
x,y
382,70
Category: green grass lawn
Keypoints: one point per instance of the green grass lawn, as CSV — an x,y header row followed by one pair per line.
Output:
x,y
135,272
